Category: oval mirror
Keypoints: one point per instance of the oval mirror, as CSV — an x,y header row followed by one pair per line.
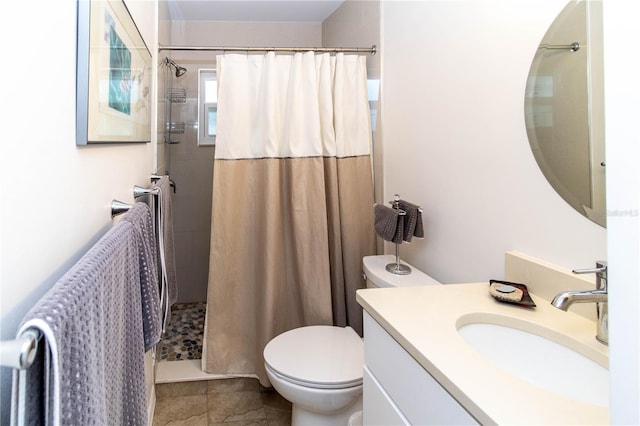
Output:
x,y
564,108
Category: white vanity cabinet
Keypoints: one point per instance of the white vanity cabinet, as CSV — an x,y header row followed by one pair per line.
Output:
x,y
419,370
398,390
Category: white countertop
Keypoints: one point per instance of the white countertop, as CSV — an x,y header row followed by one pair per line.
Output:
x,y
425,319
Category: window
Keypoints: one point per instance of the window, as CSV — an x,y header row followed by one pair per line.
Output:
x,y
373,90
207,107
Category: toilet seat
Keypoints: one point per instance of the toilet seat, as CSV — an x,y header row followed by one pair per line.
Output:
x,y
323,357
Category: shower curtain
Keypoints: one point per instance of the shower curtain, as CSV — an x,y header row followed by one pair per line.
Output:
x,y
292,209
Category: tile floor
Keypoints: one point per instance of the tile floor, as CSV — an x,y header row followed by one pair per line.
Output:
x,y
228,402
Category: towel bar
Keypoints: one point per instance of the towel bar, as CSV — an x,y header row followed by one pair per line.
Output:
x,y
398,268
139,191
118,207
21,352
396,201
158,177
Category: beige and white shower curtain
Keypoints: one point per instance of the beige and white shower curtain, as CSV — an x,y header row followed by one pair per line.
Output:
x,y
292,202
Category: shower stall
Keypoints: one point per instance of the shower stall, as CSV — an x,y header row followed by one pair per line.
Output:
x,y
191,167
191,162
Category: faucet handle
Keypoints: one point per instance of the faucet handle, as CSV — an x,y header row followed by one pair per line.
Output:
x,y
601,268
601,273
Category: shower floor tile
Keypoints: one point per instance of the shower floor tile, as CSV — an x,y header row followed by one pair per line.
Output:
x,y
183,339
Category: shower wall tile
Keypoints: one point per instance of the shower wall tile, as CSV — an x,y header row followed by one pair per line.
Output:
x,y
198,290
203,168
186,149
192,272
201,244
188,290
183,213
184,249
201,214
181,172
192,265
192,169
192,213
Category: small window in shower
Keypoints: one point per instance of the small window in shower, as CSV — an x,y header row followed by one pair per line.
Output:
x,y
373,92
207,107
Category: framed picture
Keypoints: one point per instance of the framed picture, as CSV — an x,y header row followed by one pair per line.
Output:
x,y
113,87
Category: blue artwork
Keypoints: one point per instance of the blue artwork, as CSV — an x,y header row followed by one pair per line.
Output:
x,y
119,74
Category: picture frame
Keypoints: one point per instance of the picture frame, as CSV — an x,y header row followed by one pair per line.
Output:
x,y
113,76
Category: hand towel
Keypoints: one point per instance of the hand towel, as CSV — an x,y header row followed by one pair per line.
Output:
x,y
91,323
389,223
412,222
139,215
419,231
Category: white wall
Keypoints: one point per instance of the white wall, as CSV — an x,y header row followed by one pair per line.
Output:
x,y
258,34
453,81
163,28
55,196
622,91
355,23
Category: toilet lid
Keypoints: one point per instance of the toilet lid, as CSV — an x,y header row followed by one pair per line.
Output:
x,y
318,356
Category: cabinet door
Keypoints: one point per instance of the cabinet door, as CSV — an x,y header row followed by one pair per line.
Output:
x,y
378,408
418,396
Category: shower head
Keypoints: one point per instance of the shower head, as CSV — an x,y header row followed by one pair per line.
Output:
x,y
179,70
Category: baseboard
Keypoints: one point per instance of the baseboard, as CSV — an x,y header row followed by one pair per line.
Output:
x,y
187,371
151,406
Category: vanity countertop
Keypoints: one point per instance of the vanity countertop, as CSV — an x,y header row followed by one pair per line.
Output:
x,y
425,319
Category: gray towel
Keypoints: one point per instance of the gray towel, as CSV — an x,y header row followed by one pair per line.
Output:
x,y
412,222
389,223
92,370
419,231
166,227
140,217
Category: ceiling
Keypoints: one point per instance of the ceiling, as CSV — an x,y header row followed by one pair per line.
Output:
x,y
252,10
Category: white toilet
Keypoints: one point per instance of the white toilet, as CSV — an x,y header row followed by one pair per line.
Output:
x,y
319,368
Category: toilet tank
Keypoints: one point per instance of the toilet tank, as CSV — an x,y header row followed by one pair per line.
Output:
x,y
374,268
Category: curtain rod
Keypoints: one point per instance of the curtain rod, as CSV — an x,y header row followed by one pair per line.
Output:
x,y
371,49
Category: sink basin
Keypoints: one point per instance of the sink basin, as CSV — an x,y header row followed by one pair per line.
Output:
x,y
539,360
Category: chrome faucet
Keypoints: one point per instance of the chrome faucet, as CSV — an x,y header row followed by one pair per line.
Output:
x,y
599,296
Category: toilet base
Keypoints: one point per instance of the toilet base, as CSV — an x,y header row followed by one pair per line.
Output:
x,y
302,417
